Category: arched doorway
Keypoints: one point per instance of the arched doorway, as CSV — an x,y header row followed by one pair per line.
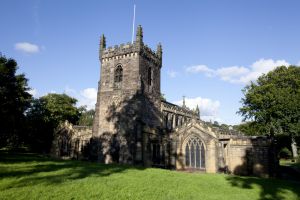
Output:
x,y
194,154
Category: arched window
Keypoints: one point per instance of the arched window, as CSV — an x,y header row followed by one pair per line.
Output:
x,y
149,76
119,74
194,154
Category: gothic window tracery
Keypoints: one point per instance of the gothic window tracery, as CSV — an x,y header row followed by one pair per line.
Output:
x,y
195,153
118,74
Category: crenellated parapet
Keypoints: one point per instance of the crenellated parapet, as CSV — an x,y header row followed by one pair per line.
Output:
x,y
120,51
151,55
174,115
130,50
173,108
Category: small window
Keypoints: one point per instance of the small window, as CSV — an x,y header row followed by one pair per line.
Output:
x,y
119,74
149,76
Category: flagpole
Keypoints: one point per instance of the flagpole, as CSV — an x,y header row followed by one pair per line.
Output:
x,y
133,24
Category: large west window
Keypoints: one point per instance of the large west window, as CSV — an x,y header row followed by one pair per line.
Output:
x,y
195,153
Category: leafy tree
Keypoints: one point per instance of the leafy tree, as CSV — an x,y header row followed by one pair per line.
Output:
x,y
248,128
14,100
216,123
44,116
285,153
162,97
86,117
60,107
272,104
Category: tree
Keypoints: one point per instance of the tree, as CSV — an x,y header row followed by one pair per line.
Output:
x,y
272,104
44,116
14,100
60,107
86,117
248,128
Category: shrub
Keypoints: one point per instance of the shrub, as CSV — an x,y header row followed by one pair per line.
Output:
x,y
285,153
298,158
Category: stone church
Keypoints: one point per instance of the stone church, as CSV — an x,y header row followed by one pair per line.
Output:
x,y
134,124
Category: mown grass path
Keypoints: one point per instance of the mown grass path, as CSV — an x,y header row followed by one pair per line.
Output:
x,y
31,176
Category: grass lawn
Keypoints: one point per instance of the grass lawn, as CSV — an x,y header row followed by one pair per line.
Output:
x,y
289,163
31,176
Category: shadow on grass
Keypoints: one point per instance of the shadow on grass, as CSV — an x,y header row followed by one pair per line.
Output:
x,y
269,188
31,169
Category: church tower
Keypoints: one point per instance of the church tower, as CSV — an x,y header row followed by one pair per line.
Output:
x,y
128,96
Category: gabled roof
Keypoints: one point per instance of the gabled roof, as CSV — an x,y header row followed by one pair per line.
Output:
x,y
196,125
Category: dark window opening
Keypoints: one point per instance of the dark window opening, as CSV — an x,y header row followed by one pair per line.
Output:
x,y
149,76
156,153
119,74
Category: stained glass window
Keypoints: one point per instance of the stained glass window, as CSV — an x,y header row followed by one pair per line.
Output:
x,y
195,153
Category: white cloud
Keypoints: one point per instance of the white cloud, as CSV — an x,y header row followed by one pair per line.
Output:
x,y
260,67
201,69
33,92
172,74
86,97
298,64
27,47
209,109
70,91
239,74
226,73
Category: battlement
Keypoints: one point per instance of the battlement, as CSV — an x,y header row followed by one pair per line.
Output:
x,y
151,55
184,111
119,50
130,49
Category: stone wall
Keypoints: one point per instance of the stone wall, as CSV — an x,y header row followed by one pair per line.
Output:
x,y
249,156
125,105
195,129
136,60
70,141
111,96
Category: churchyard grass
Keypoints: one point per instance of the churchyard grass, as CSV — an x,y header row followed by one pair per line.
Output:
x,y
32,176
288,162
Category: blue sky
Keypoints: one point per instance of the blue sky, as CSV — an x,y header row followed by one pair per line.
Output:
x,y
211,49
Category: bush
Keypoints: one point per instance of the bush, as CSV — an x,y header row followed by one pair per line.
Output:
x,y
285,153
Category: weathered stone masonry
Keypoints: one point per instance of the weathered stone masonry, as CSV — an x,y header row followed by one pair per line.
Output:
x,y
133,124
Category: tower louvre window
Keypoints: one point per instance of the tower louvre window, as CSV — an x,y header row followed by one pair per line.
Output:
x,y
119,74
149,76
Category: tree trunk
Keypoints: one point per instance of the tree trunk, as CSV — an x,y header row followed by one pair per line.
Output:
x,y
294,148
